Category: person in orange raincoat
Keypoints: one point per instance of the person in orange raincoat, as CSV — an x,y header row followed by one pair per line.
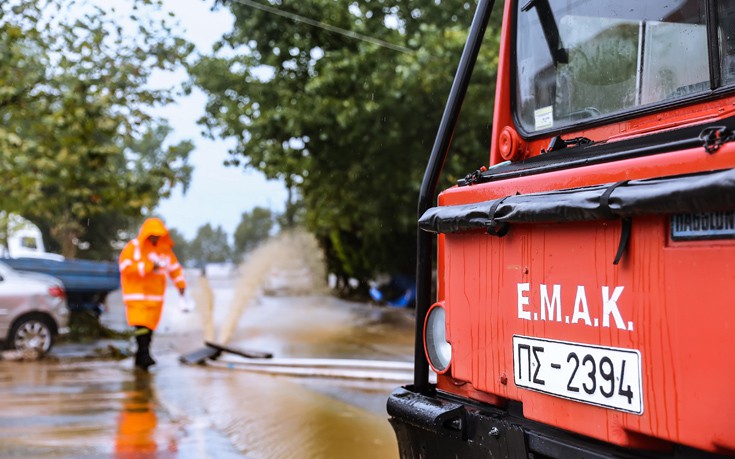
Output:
x,y
144,264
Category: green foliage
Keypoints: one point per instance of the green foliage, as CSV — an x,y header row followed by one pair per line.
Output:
x,y
295,213
348,123
85,327
210,245
254,228
182,248
76,138
95,243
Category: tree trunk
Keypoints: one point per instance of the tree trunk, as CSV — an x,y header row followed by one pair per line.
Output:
x,y
67,232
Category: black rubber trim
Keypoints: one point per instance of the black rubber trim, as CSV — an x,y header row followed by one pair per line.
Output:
x,y
567,158
713,40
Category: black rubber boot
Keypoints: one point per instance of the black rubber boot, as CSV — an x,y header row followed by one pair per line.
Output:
x,y
143,337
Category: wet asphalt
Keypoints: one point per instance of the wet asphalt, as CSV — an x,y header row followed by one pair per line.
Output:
x,y
76,404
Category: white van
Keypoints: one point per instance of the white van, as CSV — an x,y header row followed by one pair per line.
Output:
x,y
24,240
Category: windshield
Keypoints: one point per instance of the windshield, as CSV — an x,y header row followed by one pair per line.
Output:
x,y
583,59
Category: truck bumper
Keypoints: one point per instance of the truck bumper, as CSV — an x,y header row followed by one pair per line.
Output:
x,y
431,427
436,426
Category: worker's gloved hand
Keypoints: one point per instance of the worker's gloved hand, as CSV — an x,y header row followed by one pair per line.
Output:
x,y
186,303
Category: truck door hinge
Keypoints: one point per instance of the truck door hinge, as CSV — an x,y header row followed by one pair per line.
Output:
x,y
714,137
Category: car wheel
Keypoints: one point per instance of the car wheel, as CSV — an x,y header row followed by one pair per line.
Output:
x,y
31,335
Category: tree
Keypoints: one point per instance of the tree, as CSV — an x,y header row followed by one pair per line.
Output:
x,y
348,118
76,138
182,248
161,166
97,242
254,228
210,246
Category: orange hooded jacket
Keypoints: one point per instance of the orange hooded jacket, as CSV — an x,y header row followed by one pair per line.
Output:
x,y
143,270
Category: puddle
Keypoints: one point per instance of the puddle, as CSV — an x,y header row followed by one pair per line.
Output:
x,y
103,408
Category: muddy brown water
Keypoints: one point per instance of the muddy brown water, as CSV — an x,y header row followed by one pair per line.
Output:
x,y
89,408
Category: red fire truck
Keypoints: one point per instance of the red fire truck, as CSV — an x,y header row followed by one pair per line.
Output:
x,y
583,303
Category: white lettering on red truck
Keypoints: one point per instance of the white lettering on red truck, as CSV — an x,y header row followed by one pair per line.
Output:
x,y
550,307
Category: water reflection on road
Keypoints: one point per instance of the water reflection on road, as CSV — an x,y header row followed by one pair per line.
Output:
x,y
92,408
138,433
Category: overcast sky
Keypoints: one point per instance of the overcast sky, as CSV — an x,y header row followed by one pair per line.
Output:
x,y
217,195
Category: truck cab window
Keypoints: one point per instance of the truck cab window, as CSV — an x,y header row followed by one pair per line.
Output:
x,y
29,242
617,55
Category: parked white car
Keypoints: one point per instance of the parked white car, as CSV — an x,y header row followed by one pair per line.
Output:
x,y
33,310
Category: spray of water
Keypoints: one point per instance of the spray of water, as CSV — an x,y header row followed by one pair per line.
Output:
x,y
290,263
204,299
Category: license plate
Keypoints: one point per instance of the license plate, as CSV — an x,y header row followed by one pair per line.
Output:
x,y
604,376
708,225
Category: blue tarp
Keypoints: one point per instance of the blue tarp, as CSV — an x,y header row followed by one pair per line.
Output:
x,y
78,276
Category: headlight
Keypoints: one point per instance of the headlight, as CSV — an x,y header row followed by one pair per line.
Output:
x,y
438,349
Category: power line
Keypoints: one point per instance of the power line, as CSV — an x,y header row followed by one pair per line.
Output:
x,y
325,26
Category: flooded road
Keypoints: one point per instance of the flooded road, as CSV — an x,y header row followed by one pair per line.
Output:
x,y
93,410
71,406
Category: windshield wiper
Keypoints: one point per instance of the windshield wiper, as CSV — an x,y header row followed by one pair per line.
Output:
x,y
551,31
557,143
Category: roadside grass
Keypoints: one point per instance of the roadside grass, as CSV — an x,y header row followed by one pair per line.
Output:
x,y
85,326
